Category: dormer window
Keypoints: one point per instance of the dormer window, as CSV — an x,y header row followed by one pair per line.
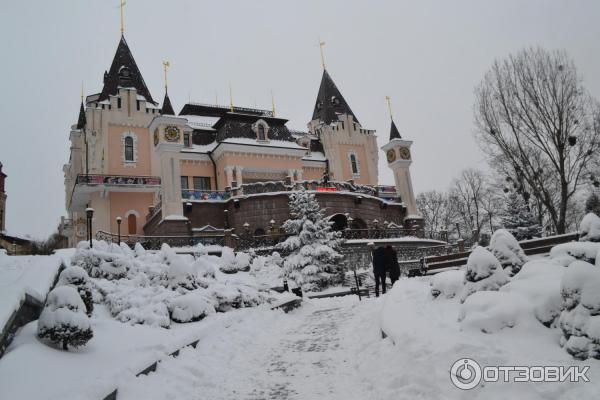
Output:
x,y
124,73
262,131
335,101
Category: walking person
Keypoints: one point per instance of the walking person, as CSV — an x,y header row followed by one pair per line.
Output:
x,y
391,263
379,269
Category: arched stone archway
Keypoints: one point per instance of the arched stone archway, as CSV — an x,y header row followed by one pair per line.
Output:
x,y
340,222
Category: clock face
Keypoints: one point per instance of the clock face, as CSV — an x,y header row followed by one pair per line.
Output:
x,y
156,137
172,133
391,155
405,153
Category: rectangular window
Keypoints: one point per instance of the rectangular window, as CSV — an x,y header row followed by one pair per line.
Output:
x,y
184,183
201,183
354,126
119,102
137,105
186,140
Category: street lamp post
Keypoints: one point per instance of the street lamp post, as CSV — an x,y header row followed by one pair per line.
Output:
x,y
119,220
89,213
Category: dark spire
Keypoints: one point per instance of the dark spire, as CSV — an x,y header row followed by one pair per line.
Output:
x,y
167,108
81,121
330,102
124,72
394,133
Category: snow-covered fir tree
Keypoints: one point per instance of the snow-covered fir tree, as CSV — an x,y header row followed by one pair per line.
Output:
x,y
518,219
592,204
313,261
63,320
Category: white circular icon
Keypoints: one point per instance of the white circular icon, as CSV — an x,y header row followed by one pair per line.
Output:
x,y
465,373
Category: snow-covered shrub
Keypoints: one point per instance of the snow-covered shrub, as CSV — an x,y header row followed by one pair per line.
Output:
x,y
517,218
507,250
483,273
447,284
567,252
580,319
77,278
190,307
63,320
181,275
268,269
3,253
490,312
234,262
539,283
313,261
589,228
104,260
226,296
592,204
139,250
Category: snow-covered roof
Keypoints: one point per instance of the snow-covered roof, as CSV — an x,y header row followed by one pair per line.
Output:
x,y
268,143
197,121
315,156
196,148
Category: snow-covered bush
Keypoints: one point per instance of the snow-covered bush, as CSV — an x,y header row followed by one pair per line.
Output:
x,y
103,260
580,319
447,284
483,273
77,278
568,252
181,275
234,262
63,320
517,218
507,250
592,204
226,296
538,283
190,307
490,312
268,269
313,261
589,228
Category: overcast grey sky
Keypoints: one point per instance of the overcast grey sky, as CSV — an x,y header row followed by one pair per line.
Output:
x,y
426,55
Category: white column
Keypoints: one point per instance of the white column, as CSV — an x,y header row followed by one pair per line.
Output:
x,y
238,174
229,175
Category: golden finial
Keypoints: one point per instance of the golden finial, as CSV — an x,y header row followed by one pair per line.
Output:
x,y
230,98
121,6
321,44
166,65
272,103
389,103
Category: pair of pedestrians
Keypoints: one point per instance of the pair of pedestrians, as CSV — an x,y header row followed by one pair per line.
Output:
x,y
385,260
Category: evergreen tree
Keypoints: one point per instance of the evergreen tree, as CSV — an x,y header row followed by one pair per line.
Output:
x,y
63,320
592,204
518,219
313,261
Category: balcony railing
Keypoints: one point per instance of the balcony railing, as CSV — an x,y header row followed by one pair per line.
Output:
x,y
204,195
117,180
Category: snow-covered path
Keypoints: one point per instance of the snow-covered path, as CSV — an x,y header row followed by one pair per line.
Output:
x,y
317,351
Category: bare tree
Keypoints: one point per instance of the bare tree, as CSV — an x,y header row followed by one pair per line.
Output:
x,y
539,126
436,210
468,195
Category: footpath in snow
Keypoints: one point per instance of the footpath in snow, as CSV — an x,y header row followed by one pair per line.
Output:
x,y
326,349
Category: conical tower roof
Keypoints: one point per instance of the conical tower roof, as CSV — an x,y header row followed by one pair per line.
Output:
x,y
167,108
330,101
81,121
124,72
394,133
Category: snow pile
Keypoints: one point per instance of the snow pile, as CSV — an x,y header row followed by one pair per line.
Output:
x,y
268,269
483,272
589,228
580,319
490,312
63,320
447,284
507,250
314,261
157,287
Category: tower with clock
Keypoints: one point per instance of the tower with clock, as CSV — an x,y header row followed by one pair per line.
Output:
x,y
399,158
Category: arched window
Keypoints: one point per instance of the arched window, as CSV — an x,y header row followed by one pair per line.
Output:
x,y
261,132
129,148
132,224
353,164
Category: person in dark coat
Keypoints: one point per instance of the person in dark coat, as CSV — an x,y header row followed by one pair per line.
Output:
x,y
379,269
391,263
